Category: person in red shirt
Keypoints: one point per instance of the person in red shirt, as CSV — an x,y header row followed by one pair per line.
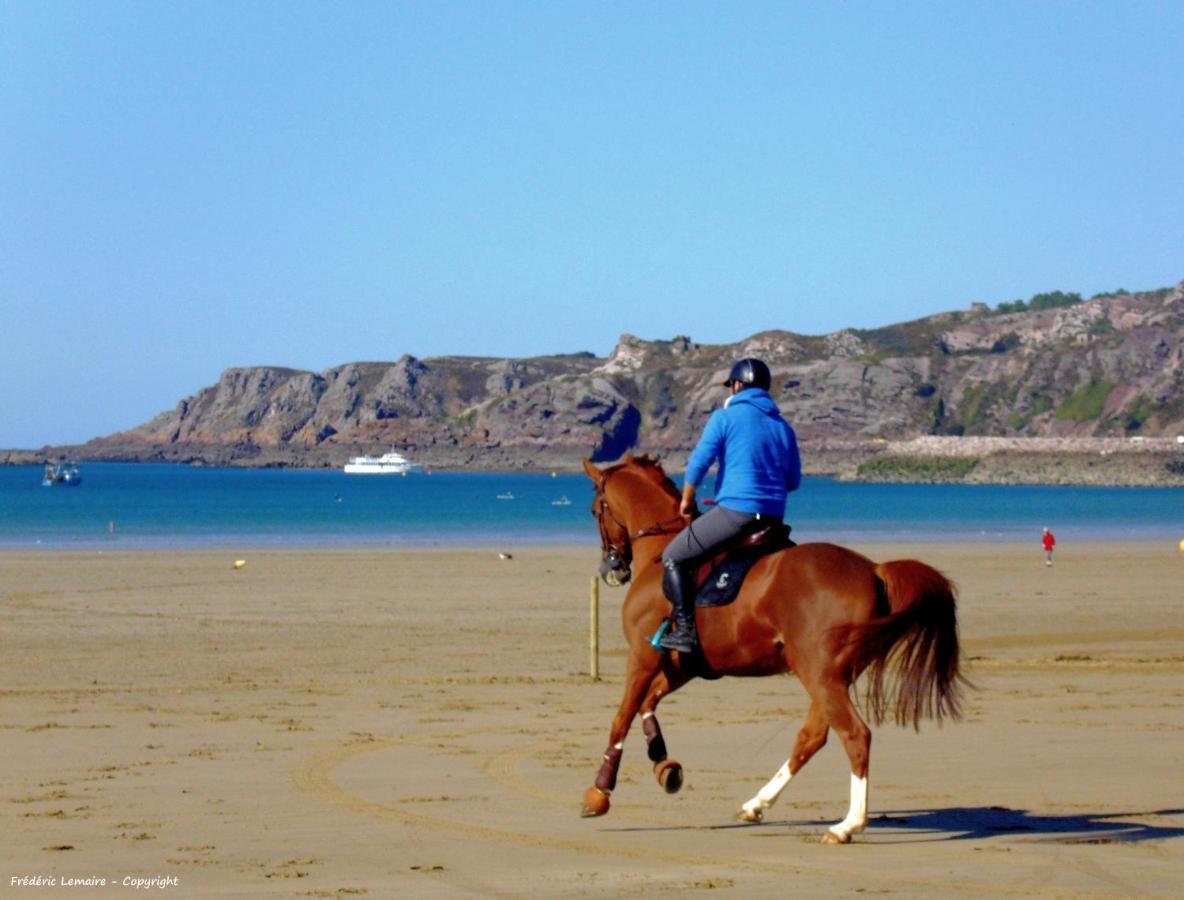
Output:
x,y
1049,542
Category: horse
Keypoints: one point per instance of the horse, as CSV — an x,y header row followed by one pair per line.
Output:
x,y
818,610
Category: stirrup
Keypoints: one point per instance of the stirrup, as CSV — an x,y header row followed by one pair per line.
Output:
x,y
656,640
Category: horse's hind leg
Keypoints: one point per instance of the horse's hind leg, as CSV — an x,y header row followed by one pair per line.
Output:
x,y
811,738
857,741
667,771
638,678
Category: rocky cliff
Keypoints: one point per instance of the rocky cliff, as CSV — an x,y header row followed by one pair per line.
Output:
x,y
1112,366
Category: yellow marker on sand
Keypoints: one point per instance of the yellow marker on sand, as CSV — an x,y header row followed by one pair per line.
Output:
x,y
239,563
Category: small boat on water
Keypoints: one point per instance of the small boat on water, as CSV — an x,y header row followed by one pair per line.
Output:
x,y
391,463
63,473
508,495
562,501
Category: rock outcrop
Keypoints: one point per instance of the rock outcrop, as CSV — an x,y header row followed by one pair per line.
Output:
x,y
1112,367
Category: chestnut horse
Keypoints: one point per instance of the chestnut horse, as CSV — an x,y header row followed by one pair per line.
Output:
x,y
820,611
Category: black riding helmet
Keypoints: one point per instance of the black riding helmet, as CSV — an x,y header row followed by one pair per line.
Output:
x,y
751,373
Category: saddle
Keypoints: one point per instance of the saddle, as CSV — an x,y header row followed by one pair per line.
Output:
x,y
720,576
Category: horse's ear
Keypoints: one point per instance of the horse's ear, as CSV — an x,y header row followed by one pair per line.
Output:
x,y
593,472
628,458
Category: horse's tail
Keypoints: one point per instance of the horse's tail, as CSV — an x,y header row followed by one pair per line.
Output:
x,y
918,639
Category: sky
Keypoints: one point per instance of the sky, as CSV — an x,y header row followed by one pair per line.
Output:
x,y
191,186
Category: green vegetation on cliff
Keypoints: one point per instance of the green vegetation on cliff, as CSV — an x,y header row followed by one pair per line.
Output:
x,y
1085,403
900,468
1049,300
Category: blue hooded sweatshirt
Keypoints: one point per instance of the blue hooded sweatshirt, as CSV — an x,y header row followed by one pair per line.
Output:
x,y
757,453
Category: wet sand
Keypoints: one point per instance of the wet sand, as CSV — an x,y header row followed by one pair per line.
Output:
x,y
388,723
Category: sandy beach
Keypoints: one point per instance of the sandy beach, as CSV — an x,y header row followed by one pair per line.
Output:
x,y
388,723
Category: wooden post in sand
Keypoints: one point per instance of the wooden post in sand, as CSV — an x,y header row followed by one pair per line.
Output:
x,y
594,631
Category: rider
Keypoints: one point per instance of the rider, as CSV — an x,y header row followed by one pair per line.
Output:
x,y
757,452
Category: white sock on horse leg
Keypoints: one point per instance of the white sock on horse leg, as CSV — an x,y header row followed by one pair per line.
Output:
x,y
767,795
857,815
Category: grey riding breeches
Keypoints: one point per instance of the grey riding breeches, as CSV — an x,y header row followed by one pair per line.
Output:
x,y
711,532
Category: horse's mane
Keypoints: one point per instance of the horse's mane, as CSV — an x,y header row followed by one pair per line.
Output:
x,y
651,468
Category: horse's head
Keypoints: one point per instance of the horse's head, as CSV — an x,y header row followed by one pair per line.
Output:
x,y
620,499
616,551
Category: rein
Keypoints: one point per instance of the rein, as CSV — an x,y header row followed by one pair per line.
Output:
x,y
673,525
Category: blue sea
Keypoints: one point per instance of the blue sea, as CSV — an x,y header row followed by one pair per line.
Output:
x,y
134,506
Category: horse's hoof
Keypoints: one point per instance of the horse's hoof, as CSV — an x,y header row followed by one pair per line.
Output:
x,y
595,803
669,775
751,816
832,838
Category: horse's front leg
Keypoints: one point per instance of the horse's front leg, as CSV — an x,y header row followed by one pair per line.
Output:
x,y
811,739
667,771
638,678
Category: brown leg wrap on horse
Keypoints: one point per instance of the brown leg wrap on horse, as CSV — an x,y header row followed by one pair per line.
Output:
x,y
655,743
606,778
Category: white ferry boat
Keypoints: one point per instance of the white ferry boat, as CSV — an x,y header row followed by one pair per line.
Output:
x,y
391,463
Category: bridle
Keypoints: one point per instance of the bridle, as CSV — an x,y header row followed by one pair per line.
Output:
x,y
619,554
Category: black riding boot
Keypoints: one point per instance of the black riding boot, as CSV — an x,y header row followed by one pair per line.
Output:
x,y
678,583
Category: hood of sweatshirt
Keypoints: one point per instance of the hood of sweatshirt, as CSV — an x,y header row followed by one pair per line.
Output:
x,y
757,397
